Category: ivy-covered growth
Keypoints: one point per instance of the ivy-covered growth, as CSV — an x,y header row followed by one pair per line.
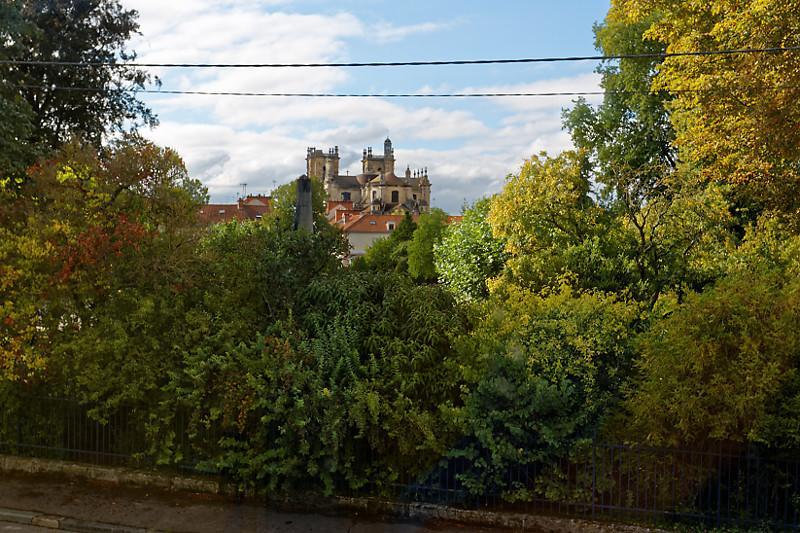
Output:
x,y
255,271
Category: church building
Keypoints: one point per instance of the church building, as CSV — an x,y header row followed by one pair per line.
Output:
x,y
377,189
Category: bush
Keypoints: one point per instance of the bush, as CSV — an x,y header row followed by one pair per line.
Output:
x,y
360,386
723,367
554,366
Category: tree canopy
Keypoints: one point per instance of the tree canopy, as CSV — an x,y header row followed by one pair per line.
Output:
x,y
737,116
86,31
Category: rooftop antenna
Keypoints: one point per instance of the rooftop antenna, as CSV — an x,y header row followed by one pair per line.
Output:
x,y
244,189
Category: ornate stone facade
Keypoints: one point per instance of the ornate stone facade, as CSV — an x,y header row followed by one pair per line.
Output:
x,y
377,189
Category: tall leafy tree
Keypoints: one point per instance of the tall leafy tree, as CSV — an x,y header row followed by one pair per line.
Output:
x,y
737,116
631,127
16,128
92,248
88,31
556,228
430,228
553,226
469,254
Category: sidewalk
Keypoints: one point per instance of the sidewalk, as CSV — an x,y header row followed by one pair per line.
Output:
x,y
97,502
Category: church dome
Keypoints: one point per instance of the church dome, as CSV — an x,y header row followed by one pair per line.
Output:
x,y
363,179
391,179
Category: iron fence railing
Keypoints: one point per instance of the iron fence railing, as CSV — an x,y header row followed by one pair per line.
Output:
x,y
745,487
65,429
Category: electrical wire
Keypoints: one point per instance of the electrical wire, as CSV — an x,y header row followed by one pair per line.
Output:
x,y
322,95
656,55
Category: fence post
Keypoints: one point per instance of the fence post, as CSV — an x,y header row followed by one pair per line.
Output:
x,y
594,472
19,432
719,486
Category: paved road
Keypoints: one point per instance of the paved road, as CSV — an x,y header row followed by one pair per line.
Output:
x,y
182,513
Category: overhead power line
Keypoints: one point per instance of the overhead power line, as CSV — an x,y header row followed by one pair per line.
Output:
x,y
324,95
664,55
361,95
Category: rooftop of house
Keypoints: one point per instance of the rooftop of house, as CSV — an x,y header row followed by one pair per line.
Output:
x,y
373,223
251,207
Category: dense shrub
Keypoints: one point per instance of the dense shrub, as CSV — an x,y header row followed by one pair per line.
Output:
x,y
358,387
723,367
553,369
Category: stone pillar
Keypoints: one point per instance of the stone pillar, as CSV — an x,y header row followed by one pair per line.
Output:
x,y
304,209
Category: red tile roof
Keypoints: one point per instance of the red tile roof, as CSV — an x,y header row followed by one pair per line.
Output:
x,y
344,204
252,207
372,223
345,215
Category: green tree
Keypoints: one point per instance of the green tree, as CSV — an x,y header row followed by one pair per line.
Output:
x,y
723,367
87,243
284,200
557,228
631,127
428,234
553,227
16,129
669,231
469,254
389,254
90,31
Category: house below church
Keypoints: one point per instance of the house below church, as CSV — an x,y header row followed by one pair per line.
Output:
x,y
364,229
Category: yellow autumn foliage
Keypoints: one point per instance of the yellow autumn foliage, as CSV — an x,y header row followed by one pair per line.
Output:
x,y
736,116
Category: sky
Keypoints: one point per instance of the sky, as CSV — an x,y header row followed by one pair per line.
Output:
x,y
469,146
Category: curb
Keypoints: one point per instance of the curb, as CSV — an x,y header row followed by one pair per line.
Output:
x,y
123,476
31,518
112,474
471,517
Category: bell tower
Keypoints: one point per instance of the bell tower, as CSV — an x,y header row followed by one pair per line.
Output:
x,y
388,156
322,165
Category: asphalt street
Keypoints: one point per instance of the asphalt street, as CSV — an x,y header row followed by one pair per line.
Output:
x,y
183,512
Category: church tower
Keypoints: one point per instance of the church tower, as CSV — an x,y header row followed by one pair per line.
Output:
x,y
322,165
378,164
388,156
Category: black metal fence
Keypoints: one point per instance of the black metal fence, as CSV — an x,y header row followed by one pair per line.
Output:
x,y
742,487
65,429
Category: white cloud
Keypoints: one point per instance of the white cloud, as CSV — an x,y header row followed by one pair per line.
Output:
x,y
589,82
384,33
227,141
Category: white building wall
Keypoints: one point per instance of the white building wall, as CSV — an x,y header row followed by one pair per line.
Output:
x,y
359,242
